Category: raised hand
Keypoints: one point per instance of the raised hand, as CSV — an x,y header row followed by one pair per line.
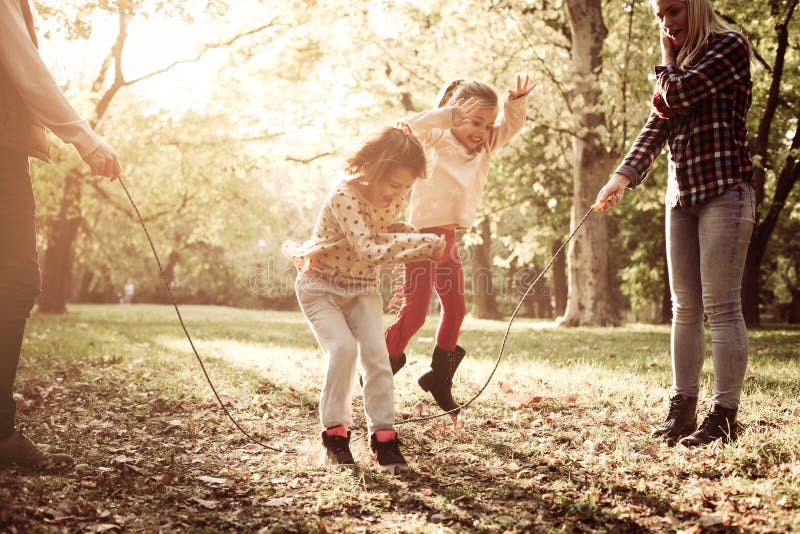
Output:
x,y
667,48
522,88
463,109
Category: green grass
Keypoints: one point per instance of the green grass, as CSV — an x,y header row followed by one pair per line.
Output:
x,y
558,442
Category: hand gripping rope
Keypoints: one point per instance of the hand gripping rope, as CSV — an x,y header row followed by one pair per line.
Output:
x,y
401,422
508,329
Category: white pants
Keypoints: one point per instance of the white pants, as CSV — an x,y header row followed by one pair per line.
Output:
x,y
348,321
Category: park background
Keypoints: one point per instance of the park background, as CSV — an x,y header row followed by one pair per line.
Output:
x,y
231,120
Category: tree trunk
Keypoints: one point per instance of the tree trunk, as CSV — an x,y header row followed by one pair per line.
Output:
x,y
541,303
794,308
751,281
484,304
58,256
560,288
589,298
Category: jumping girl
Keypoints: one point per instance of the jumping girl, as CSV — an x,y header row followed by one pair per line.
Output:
x,y
355,233
459,135
702,95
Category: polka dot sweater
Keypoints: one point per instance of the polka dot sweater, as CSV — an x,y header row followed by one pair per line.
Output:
x,y
352,238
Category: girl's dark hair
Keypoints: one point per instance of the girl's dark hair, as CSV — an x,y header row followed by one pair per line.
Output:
x,y
458,89
384,152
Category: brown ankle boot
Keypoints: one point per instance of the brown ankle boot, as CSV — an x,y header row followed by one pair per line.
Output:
x,y
397,363
681,419
719,423
16,449
439,379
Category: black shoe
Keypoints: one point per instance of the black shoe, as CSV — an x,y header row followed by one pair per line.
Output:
x,y
337,450
720,423
681,419
439,379
396,364
16,449
387,454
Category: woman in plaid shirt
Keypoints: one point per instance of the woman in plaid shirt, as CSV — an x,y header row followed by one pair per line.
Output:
x,y
701,99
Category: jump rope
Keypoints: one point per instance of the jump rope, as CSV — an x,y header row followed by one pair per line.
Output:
x,y
400,422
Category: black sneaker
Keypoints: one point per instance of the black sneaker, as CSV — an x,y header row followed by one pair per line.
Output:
x,y
387,454
337,450
16,449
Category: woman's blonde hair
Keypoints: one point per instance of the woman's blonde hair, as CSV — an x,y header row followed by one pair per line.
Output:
x,y
454,91
703,24
384,152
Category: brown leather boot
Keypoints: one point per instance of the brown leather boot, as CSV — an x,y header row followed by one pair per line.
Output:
x,y
395,363
719,423
16,449
439,379
681,419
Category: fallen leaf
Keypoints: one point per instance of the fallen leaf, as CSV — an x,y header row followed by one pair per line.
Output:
x,y
20,401
206,503
280,501
165,478
505,387
520,401
175,423
212,480
102,527
651,450
293,399
227,401
711,519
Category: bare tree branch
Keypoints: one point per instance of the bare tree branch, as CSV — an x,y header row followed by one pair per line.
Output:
x,y
308,160
202,52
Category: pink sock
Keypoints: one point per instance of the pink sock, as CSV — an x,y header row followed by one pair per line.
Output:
x,y
384,436
337,431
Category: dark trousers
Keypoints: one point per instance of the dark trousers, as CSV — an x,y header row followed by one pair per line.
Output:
x,y
20,278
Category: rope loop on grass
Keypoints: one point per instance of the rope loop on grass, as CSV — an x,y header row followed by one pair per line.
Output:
x,y
186,331
508,329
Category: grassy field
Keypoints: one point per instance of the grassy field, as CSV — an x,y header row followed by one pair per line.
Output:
x,y
558,442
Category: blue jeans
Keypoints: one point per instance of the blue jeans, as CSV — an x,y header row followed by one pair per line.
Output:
x,y
20,279
706,251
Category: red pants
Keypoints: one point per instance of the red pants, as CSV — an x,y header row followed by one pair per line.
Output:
x,y
446,275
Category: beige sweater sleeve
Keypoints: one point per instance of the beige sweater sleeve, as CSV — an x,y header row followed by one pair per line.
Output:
x,y
378,248
429,125
21,61
511,122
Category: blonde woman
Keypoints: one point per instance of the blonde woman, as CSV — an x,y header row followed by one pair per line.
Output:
x,y
702,96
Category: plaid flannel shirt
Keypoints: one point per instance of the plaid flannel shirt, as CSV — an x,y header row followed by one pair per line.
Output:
x,y
701,111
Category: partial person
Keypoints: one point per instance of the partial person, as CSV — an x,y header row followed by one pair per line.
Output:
x,y
699,108
460,136
30,101
356,232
